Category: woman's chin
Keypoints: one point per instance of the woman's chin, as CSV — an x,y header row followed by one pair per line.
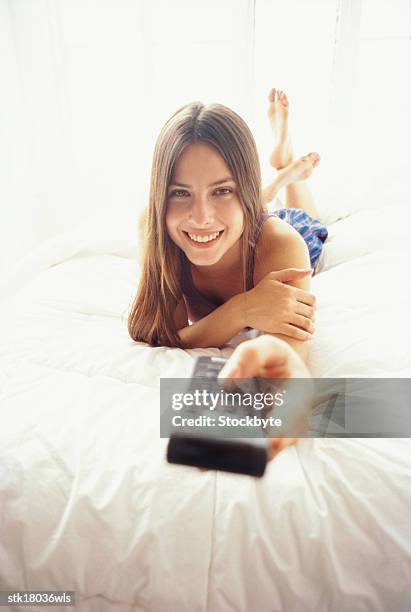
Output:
x,y
202,253
202,259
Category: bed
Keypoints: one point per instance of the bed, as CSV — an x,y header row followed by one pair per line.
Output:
x,y
88,502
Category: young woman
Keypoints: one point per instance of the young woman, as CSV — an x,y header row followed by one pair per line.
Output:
x,y
212,254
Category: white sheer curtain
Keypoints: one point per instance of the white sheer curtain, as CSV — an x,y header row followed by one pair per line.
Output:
x,y
85,86
347,68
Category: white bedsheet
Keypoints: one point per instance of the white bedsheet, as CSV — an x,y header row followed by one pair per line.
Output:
x,y
88,502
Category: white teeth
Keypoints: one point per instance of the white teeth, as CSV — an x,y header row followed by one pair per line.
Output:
x,y
203,238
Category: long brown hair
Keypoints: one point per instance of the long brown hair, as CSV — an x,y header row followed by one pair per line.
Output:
x,y
151,318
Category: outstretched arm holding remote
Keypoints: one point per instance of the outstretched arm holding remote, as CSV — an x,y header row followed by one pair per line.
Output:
x,y
266,357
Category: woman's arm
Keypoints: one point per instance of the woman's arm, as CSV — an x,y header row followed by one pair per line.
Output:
x,y
215,329
272,306
269,357
281,246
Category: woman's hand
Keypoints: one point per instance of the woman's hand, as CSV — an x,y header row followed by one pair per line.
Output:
x,y
266,357
277,308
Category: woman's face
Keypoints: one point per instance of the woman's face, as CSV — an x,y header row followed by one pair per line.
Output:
x,y
204,219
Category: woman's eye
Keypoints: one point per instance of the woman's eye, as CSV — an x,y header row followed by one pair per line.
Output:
x,y
177,191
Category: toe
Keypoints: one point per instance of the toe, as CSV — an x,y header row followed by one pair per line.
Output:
x,y
271,95
315,158
284,99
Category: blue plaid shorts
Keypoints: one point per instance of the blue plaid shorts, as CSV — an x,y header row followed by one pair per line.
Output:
x,y
313,232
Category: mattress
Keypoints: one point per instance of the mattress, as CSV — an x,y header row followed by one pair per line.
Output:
x,y
88,502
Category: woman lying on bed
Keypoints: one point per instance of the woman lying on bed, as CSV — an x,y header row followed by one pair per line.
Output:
x,y
214,261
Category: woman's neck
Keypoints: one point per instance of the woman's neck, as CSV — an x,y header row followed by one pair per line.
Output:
x,y
228,265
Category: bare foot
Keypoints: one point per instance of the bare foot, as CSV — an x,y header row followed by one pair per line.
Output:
x,y
299,170
282,154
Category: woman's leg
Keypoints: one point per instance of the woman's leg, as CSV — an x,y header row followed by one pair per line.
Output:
x,y
298,194
292,176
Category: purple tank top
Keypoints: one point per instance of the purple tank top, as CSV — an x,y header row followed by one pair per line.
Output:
x,y
198,306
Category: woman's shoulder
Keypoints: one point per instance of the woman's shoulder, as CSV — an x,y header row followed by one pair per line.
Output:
x,y
279,245
275,235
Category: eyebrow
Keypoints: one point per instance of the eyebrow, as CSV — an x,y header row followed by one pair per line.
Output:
x,y
222,180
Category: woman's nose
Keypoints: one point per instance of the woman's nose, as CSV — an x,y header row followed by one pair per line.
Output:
x,y
201,211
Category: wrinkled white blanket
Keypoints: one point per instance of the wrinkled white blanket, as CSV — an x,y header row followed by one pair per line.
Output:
x,y
88,502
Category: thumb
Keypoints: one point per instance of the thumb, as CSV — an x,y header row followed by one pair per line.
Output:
x,y
276,445
291,273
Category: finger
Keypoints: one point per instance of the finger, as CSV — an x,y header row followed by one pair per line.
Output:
x,y
303,322
295,332
289,274
244,363
226,379
276,445
305,311
278,371
251,357
305,297
285,442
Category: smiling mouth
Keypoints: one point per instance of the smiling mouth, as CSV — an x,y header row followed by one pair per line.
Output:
x,y
203,241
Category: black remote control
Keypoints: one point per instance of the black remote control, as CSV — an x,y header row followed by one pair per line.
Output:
x,y
242,455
